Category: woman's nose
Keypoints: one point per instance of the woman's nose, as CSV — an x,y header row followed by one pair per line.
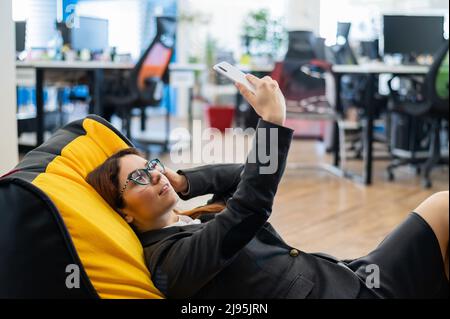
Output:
x,y
155,176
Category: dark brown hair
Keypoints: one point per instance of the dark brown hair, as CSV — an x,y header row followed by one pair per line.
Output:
x,y
105,180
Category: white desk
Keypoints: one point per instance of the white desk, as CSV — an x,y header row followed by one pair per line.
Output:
x,y
379,68
26,69
82,65
182,76
31,73
256,68
187,67
370,70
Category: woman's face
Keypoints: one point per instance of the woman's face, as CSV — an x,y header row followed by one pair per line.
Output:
x,y
145,203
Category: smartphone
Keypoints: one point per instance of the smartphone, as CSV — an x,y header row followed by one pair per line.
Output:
x,y
234,74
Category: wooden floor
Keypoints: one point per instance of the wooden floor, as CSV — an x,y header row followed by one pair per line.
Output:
x,y
318,212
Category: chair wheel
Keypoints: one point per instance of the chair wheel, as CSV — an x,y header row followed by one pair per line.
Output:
x,y
418,171
426,183
390,176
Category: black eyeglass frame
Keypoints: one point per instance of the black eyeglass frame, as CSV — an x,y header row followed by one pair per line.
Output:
x,y
150,166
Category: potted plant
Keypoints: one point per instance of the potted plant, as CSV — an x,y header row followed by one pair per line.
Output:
x,y
263,37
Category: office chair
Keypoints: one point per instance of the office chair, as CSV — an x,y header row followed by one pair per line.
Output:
x,y
308,89
145,83
423,105
295,85
303,47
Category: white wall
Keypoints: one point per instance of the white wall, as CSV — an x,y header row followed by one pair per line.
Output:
x,y
125,19
40,16
303,15
8,123
225,20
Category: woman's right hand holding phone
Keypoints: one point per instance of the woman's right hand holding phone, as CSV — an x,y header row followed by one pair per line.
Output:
x,y
267,101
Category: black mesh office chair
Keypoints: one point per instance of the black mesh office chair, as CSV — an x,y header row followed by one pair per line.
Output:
x,y
145,83
424,106
302,78
295,84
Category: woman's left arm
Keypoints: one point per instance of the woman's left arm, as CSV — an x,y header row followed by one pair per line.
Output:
x,y
217,179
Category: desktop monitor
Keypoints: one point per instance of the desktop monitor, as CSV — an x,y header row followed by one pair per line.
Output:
x,y
92,34
21,27
412,35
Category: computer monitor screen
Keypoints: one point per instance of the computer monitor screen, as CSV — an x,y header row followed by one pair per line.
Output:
x,y
91,34
21,27
412,35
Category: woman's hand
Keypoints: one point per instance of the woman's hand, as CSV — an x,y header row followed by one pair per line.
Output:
x,y
178,181
268,101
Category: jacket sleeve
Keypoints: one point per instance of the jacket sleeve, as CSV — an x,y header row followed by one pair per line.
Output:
x,y
182,264
217,179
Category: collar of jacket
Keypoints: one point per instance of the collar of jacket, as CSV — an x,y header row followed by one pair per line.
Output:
x,y
153,236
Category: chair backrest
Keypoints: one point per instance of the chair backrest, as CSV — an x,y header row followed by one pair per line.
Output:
x,y
301,45
156,58
343,29
437,81
343,54
320,49
302,48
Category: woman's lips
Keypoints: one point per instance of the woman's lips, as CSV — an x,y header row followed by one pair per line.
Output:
x,y
164,189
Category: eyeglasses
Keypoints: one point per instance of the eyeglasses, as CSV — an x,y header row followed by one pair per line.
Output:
x,y
142,176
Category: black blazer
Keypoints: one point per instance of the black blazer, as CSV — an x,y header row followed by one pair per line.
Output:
x,y
237,253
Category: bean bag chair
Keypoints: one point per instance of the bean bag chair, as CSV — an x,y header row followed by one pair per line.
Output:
x,y
58,237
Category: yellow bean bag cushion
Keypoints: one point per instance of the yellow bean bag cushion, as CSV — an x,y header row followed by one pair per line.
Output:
x,y
109,251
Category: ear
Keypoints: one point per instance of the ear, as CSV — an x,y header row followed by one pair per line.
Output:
x,y
129,219
125,215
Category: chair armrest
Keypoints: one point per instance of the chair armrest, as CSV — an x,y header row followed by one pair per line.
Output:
x,y
316,68
152,92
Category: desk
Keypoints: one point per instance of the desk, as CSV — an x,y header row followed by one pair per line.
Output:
x,y
182,75
267,69
31,73
37,69
371,70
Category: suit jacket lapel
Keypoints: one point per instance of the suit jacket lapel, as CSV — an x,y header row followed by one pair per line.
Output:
x,y
154,236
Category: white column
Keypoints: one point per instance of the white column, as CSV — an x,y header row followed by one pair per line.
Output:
x,y
40,22
303,15
182,56
8,123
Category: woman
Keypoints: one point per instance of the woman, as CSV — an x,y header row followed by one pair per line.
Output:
x,y
231,250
